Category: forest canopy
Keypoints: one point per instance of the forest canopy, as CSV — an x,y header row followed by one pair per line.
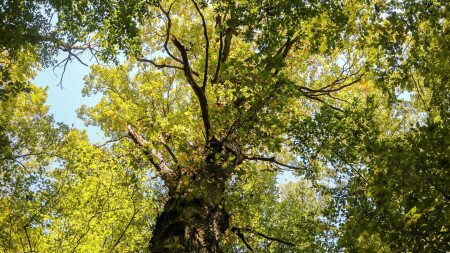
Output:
x,y
206,104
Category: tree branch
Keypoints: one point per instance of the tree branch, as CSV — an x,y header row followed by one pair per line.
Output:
x,y
227,44
159,165
69,51
169,26
322,101
285,50
441,191
237,231
163,65
135,211
269,237
171,153
205,33
110,141
28,238
199,92
271,160
219,58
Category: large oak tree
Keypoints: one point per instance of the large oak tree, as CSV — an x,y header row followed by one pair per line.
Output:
x,y
205,103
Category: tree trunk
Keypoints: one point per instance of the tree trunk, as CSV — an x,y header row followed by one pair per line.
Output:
x,y
193,219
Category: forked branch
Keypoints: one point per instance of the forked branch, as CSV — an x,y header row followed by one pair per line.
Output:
x,y
199,92
154,157
241,236
168,28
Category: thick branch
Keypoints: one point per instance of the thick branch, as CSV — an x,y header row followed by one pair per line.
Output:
x,y
199,92
224,48
159,165
283,51
227,44
171,153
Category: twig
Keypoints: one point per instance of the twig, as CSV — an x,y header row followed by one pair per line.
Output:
x,y
271,160
163,65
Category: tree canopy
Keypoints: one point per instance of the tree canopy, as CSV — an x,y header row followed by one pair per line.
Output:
x,y
206,104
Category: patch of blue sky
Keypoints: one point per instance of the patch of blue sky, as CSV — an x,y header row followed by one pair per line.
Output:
x,y
66,98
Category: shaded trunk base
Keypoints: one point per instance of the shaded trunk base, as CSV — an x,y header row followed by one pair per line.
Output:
x,y
189,226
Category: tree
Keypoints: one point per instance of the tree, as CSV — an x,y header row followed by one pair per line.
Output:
x,y
242,103
215,98
393,157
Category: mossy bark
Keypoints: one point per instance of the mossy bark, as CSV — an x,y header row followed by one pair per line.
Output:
x,y
193,220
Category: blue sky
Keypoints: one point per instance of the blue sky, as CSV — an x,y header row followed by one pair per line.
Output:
x,y
65,100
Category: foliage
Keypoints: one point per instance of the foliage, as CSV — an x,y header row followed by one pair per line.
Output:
x,y
212,102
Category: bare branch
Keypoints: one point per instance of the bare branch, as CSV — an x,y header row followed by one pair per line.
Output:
x,y
271,160
269,237
159,66
169,26
135,211
237,231
66,61
69,51
110,141
163,65
322,101
331,88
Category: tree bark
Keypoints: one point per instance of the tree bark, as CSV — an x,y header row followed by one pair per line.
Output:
x,y
193,219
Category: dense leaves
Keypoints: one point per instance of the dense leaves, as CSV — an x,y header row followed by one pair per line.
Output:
x,y
207,105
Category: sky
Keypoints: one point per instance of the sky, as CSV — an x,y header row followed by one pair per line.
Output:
x,y
65,99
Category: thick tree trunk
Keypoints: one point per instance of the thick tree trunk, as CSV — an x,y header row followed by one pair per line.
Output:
x,y
192,220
